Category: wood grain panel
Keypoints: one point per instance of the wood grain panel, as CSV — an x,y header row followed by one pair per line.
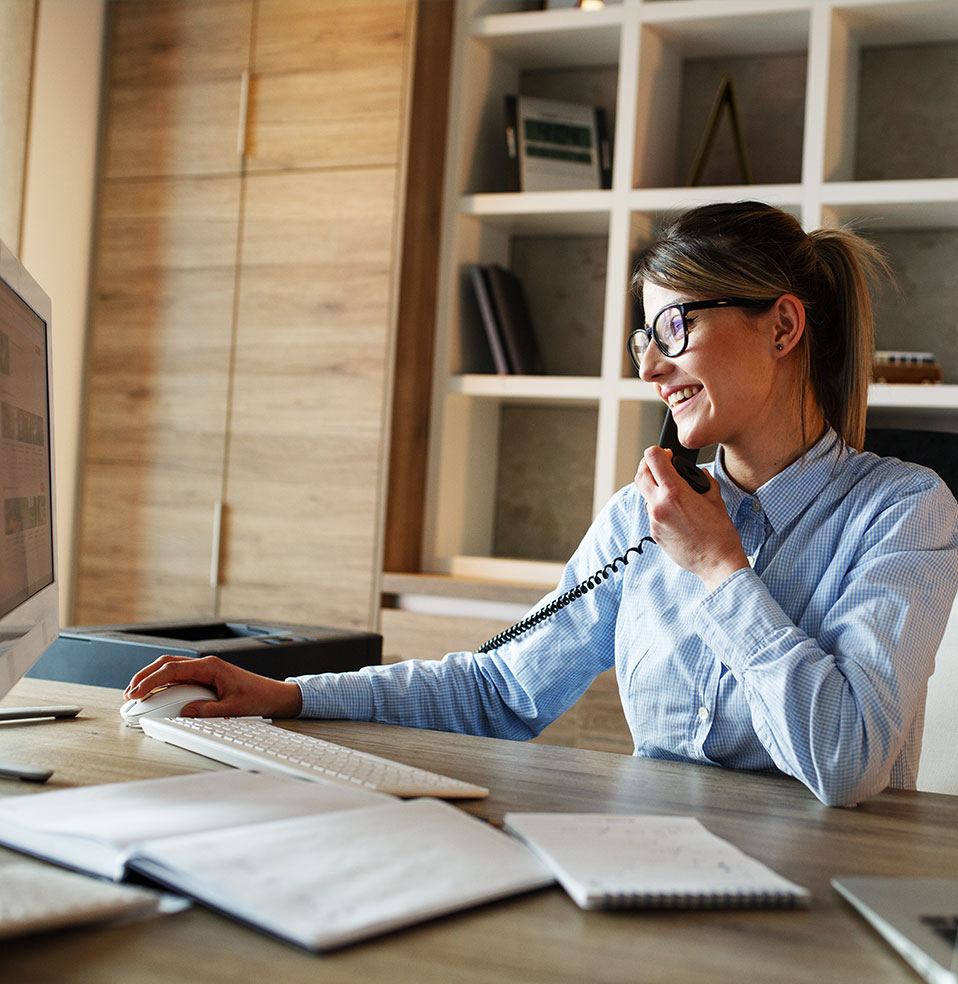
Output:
x,y
187,128
335,35
176,40
159,350
322,120
145,544
157,386
306,422
174,87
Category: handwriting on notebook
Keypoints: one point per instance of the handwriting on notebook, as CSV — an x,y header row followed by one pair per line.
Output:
x,y
608,860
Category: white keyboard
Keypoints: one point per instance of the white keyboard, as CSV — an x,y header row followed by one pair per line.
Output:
x,y
35,898
253,743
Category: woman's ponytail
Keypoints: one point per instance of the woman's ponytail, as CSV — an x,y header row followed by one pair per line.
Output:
x,y
841,347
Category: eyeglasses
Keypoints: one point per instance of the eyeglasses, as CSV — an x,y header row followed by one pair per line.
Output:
x,y
671,326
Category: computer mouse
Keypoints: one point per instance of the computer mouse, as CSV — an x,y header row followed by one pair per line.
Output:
x,y
164,703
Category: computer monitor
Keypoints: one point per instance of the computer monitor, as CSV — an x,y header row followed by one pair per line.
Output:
x,y
29,592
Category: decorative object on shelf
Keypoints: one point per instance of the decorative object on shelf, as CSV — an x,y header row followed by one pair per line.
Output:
x,y
725,102
506,319
553,145
905,367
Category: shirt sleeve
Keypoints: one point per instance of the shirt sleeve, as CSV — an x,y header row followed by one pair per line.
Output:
x,y
516,689
833,711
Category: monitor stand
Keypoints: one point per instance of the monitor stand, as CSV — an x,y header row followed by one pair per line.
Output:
x,y
32,773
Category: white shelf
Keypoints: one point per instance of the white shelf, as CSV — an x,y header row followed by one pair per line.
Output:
x,y
907,396
550,388
580,245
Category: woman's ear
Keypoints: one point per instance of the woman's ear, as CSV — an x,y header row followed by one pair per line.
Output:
x,y
787,324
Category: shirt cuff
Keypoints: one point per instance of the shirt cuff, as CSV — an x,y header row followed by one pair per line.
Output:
x,y
340,696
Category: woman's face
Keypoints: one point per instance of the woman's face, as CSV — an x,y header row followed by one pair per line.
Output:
x,y
724,387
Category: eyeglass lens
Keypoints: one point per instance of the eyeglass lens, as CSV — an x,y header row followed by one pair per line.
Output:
x,y
669,331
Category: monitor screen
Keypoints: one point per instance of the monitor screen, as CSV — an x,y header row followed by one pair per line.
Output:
x,y
29,602
26,546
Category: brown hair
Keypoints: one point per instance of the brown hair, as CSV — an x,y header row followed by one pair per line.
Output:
x,y
752,250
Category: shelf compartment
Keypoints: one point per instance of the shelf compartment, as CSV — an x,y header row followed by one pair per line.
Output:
x,y
516,478
919,312
574,59
683,54
562,271
878,129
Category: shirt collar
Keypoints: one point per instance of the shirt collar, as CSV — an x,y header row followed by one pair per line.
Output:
x,y
788,493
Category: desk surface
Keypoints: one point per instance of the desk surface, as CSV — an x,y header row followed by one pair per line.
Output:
x,y
540,937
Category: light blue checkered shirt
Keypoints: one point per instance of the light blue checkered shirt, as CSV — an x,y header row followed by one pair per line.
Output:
x,y
814,661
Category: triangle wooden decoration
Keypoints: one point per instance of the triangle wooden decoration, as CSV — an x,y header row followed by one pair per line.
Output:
x,y
725,101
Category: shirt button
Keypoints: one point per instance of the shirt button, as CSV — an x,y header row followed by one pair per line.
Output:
x,y
756,505
703,714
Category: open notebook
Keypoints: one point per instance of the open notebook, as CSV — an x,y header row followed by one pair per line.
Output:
x,y
320,865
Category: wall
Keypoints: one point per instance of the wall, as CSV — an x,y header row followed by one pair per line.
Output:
x,y
57,223
16,51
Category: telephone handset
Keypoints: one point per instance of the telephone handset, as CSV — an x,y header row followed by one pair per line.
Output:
x,y
683,459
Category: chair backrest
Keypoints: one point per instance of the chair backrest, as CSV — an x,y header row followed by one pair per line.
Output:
x,y
938,768
937,450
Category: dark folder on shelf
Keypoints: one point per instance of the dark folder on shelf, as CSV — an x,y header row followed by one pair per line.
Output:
x,y
480,286
515,323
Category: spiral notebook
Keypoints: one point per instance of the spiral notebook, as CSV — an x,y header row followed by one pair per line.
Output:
x,y
650,862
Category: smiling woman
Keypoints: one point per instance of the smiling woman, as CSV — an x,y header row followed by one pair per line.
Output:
x,y
788,617
756,255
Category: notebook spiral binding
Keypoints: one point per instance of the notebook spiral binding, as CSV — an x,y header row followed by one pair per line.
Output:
x,y
557,604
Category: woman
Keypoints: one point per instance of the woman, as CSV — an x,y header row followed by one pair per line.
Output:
x,y
789,617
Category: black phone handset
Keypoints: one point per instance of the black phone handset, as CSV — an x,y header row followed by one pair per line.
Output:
x,y
683,459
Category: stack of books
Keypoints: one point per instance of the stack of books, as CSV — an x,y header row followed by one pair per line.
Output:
x,y
506,320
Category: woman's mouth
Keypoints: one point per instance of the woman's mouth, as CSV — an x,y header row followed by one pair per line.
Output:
x,y
681,395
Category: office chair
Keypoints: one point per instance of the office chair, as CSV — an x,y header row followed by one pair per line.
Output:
x,y
938,767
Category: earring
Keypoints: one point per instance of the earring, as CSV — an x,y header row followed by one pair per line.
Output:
x,y
779,347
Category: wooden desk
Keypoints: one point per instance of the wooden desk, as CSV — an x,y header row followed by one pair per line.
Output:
x,y
542,937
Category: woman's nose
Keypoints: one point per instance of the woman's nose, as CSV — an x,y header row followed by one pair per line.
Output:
x,y
652,363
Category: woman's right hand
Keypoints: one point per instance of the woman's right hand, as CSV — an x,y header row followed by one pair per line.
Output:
x,y
239,692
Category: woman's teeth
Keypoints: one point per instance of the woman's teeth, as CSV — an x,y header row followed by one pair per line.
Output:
x,y
681,395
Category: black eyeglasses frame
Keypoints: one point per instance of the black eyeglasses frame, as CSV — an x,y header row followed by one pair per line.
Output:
x,y
683,308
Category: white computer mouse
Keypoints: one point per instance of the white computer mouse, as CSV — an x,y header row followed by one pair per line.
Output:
x,y
165,703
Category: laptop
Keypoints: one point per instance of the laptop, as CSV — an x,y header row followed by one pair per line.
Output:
x,y
917,916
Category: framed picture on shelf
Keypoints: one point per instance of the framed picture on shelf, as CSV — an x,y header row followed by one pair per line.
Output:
x,y
555,145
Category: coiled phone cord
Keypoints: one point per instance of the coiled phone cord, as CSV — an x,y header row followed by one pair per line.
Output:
x,y
557,604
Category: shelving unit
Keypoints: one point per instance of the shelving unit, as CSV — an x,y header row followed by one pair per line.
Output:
x,y
821,107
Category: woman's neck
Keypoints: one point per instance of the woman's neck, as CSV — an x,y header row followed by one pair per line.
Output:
x,y
779,446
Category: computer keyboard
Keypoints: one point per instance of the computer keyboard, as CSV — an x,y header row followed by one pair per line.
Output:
x,y
37,897
254,743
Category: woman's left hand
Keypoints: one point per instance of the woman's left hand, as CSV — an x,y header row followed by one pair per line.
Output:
x,y
692,528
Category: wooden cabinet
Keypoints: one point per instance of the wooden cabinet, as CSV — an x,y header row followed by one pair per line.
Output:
x,y
240,347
